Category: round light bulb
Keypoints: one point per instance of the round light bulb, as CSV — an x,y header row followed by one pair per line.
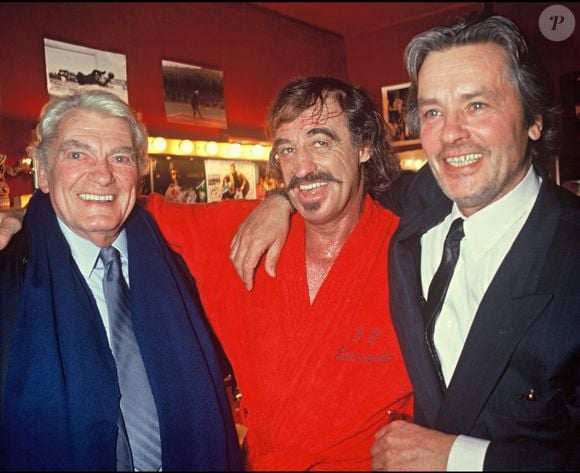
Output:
x,y
211,148
186,146
257,151
235,150
159,144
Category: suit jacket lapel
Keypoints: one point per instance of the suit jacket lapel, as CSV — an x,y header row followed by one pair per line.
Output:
x,y
509,307
405,288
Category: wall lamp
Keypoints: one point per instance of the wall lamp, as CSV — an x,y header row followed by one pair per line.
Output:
x,y
209,149
410,160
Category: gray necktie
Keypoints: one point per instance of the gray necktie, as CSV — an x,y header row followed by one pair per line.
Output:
x,y
137,404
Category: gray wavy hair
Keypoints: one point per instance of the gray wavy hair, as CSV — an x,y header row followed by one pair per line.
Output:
x,y
100,101
533,83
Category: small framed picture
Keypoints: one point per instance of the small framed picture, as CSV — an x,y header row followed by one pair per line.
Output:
x,y
394,111
194,94
230,179
178,178
70,67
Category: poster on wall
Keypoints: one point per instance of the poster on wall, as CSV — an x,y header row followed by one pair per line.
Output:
x,y
70,67
178,178
230,179
194,95
394,112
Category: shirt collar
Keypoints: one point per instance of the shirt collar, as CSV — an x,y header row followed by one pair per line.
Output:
x,y
86,253
485,227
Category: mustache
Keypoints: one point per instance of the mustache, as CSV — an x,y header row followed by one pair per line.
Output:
x,y
312,177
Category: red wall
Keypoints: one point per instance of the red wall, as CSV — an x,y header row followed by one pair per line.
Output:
x,y
257,51
376,59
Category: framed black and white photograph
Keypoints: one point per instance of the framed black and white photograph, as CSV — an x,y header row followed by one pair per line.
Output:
x,y
194,94
70,67
394,112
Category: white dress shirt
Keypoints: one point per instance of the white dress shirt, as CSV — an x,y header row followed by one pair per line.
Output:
x,y
86,256
489,234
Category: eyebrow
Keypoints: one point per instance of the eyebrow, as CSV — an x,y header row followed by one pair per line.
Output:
x,y
79,144
311,132
73,144
465,96
124,149
280,141
323,131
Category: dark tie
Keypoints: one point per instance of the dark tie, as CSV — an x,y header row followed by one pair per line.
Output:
x,y
137,404
440,284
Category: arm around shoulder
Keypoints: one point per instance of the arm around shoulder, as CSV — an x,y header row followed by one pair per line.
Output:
x,y
263,231
397,194
10,223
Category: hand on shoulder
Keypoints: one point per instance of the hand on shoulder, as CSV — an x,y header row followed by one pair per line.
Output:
x,y
10,224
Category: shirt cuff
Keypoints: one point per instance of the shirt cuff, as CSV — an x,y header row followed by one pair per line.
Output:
x,y
467,454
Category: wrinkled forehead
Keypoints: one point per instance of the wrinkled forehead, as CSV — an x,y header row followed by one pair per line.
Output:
x,y
320,114
93,122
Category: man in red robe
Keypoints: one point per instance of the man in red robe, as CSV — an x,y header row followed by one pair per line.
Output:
x,y
313,351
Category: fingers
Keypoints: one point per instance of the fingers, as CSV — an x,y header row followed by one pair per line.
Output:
x,y
378,456
4,238
381,450
262,232
243,264
404,446
234,254
272,256
10,223
377,464
234,244
381,432
248,269
245,253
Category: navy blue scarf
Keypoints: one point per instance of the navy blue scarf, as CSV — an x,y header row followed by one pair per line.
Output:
x,y
62,396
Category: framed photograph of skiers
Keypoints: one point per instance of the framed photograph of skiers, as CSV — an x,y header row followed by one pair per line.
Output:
x,y
394,111
194,94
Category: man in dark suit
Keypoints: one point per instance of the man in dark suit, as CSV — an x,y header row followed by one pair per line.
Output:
x,y
96,375
498,364
495,365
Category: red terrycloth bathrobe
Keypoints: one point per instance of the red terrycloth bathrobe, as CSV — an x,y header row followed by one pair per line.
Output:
x,y
316,379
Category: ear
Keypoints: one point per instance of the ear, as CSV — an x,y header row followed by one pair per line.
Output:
x,y
535,129
42,178
364,154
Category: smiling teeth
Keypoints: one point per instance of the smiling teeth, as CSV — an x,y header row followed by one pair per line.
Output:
x,y
313,185
95,197
464,160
